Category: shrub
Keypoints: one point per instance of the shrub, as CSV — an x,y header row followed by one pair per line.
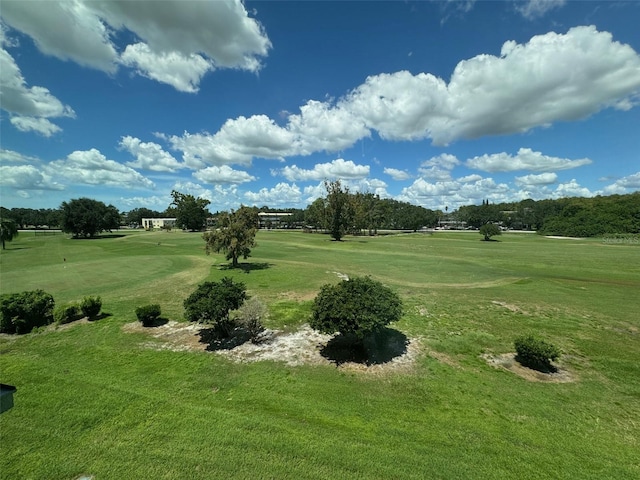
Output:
x,y
489,230
148,314
21,312
212,302
66,313
91,306
250,316
535,353
358,306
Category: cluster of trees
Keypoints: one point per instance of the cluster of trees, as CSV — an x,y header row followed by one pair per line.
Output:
x,y
84,217
31,217
342,212
574,217
359,308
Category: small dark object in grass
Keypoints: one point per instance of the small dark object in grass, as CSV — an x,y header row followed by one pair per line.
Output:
x,y
535,353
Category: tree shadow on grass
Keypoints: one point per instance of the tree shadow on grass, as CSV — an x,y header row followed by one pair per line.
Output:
x,y
247,267
381,347
100,237
539,366
216,340
100,316
157,322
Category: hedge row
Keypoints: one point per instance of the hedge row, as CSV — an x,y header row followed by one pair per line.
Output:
x,y
22,312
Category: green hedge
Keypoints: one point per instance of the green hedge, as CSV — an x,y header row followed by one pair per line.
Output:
x,y
22,312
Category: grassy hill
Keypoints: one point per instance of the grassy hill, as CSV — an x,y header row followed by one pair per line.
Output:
x,y
94,399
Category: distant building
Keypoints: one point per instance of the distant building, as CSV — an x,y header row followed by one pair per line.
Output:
x,y
158,223
273,219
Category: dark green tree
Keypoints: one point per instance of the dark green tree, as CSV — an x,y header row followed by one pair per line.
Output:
x,y
191,212
84,217
235,234
338,209
316,214
489,230
8,230
359,306
212,301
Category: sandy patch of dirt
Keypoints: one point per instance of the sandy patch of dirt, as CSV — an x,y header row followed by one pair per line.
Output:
x,y
176,336
509,306
443,358
508,362
302,347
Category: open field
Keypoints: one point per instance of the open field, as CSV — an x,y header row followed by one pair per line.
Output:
x,y
95,399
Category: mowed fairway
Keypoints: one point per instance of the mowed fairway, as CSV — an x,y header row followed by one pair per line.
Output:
x,y
95,400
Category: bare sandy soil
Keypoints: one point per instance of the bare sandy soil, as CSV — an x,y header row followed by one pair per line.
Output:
x,y
308,347
304,346
508,362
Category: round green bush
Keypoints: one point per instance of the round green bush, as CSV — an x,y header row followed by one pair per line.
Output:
x,y
66,313
535,353
358,306
91,306
148,315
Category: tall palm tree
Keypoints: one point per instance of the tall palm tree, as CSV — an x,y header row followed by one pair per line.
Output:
x,y
8,230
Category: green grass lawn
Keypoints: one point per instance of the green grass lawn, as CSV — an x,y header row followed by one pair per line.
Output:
x,y
92,400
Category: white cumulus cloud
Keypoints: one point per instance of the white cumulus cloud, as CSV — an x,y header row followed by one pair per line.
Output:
x,y
223,174
525,159
30,107
396,174
27,177
339,168
90,167
180,41
149,155
283,194
182,72
554,77
542,179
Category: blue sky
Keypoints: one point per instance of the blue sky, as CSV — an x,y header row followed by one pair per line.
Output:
x,y
439,104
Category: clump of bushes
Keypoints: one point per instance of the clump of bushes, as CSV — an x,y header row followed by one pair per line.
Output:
x,y
535,353
91,306
148,315
22,312
66,313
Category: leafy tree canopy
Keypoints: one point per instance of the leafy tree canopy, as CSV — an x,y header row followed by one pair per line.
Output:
x,y
191,212
85,217
212,302
489,230
359,306
8,230
235,234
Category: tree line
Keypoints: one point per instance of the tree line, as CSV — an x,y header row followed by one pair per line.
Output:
x,y
341,212
572,217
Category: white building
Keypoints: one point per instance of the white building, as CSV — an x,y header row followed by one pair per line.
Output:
x,y
158,223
